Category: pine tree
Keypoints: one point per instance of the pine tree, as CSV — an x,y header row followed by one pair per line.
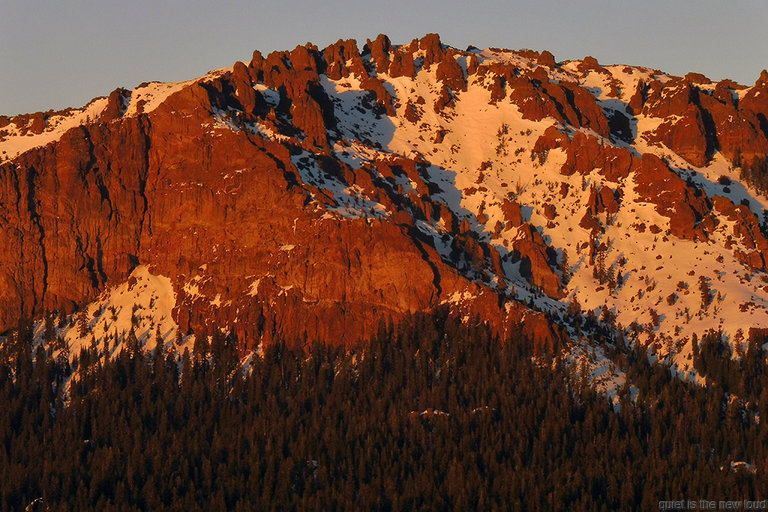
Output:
x,y
574,308
706,292
82,324
600,270
158,338
565,268
49,332
132,343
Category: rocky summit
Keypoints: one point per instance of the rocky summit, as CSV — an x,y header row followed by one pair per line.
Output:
x,y
311,194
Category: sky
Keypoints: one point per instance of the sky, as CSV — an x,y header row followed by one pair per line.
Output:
x,y
58,54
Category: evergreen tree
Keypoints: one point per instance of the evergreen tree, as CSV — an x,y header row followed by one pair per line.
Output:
x,y
82,323
565,268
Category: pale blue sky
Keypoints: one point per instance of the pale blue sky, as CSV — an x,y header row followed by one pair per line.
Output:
x,y
55,54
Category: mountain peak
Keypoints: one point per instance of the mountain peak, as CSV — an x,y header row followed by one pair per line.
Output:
x,y
310,193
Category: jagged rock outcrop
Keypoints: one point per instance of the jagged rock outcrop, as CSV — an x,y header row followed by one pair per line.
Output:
x,y
310,193
673,198
536,259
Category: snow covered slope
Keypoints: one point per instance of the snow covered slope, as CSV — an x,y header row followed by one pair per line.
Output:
x,y
141,307
630,196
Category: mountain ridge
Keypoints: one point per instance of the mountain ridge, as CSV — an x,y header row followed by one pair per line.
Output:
x,y
310,193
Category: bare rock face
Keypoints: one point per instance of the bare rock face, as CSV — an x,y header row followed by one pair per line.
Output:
x,y
670,99
746,229
235,188
472,65
383,98
380,49
433,49
538,98
536,261
699,120
602,200
585,153
544,58
336,57
551,139
513,215
227,217
243,84
657,184
450,73
687,137
444,99
590,64
136,191
755,100
402,64
89,186
737,131
116,104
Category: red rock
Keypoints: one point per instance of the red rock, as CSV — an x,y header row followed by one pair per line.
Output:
x,y
544,58
336,57
402,64
602,200
243,85
38,123
657,184
440,136
256,66
590,64
472,65
585,153
530,101
115,104
535,261
608,200
380,49
552,138
159,188
746,228
724,92
498,89
737,131
537,98
703,121
547,59
306,58
450,73
444,99
274,68
505,319
686,136
639,97
545,335
383,97
433,49
590,223
412,112
513,214
588,113
697,78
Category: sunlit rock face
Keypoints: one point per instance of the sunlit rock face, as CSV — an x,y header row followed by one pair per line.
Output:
x,y
311,193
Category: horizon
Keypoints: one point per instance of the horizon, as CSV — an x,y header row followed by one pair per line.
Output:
x,y
170,42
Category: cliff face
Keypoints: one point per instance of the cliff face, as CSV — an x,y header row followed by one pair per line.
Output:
x,y
224,212
311,193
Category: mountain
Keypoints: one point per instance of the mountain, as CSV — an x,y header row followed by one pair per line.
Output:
x,y
311,194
